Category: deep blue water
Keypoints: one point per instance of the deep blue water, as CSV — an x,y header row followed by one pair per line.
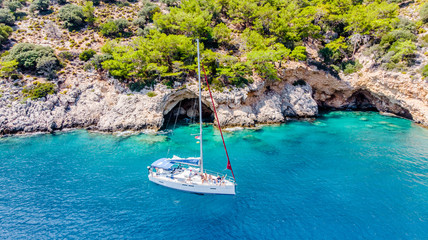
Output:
x,y
348,175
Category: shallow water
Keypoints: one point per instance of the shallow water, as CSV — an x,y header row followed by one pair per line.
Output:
x,y
347,175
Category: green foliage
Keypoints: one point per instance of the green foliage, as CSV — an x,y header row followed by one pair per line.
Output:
x,y
242,11
66,55
405,24
222,34
150,59
226,70
170,3
425,71
148,10
423,13
38,90
87,54
334,51
397,35
400,55
72,16
137,86
97,60
114,28
375,18
193,18
88,12
351,67
39,5
263,63
402,50
13,5
46,66
5,32
263,33
425,39
30,55
299,53
6,17
8,68
151,94
255,41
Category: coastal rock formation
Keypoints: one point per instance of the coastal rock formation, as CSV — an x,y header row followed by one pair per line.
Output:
x,y
109,106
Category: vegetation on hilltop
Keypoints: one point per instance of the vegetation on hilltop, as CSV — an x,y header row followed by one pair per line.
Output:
x,y
241,38
148,42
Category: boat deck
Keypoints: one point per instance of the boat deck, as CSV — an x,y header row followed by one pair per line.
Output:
x,y
191,177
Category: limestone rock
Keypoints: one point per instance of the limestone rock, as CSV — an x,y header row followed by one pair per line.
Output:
x,y
108,105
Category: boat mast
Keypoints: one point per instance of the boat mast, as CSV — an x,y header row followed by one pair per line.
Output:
x,y
200,109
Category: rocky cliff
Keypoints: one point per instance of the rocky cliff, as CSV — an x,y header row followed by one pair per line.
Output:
x,y
106,105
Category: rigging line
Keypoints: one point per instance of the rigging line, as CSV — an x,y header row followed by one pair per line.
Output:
x,y
175,123
229,166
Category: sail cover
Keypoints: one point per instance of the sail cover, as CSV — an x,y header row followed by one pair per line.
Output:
x,y
167,163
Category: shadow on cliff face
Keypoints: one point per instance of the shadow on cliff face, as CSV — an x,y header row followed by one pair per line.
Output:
x,y
363,100
186,111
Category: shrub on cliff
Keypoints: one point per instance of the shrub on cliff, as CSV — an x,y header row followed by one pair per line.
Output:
x,y
350,67
425,71
423,13
193,18
148,10
114,28
8,68
88,11
299,53
72,16
98,59
390,38
145,15
47,66
39,5
6,17
222,34
13,5
38,90
400,55
5,32
66,55
148,59
170,3
34,58
87,54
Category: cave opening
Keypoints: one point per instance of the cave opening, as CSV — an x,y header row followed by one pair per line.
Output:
x,y
362,101
186,111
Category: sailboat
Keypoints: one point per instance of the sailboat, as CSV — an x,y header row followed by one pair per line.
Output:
x,y
188,174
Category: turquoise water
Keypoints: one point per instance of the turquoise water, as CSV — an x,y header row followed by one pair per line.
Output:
x,y
345,176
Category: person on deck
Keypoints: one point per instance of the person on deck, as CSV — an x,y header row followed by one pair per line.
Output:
x,y
190,175
202,178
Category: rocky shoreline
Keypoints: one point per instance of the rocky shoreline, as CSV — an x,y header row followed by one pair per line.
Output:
x,y
86,101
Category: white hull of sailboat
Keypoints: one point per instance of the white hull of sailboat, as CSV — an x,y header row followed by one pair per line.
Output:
x,y
225,189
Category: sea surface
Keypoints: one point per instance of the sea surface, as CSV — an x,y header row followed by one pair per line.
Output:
x,y
346,175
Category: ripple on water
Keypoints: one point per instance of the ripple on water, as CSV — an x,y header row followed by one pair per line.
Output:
x,y
346,175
